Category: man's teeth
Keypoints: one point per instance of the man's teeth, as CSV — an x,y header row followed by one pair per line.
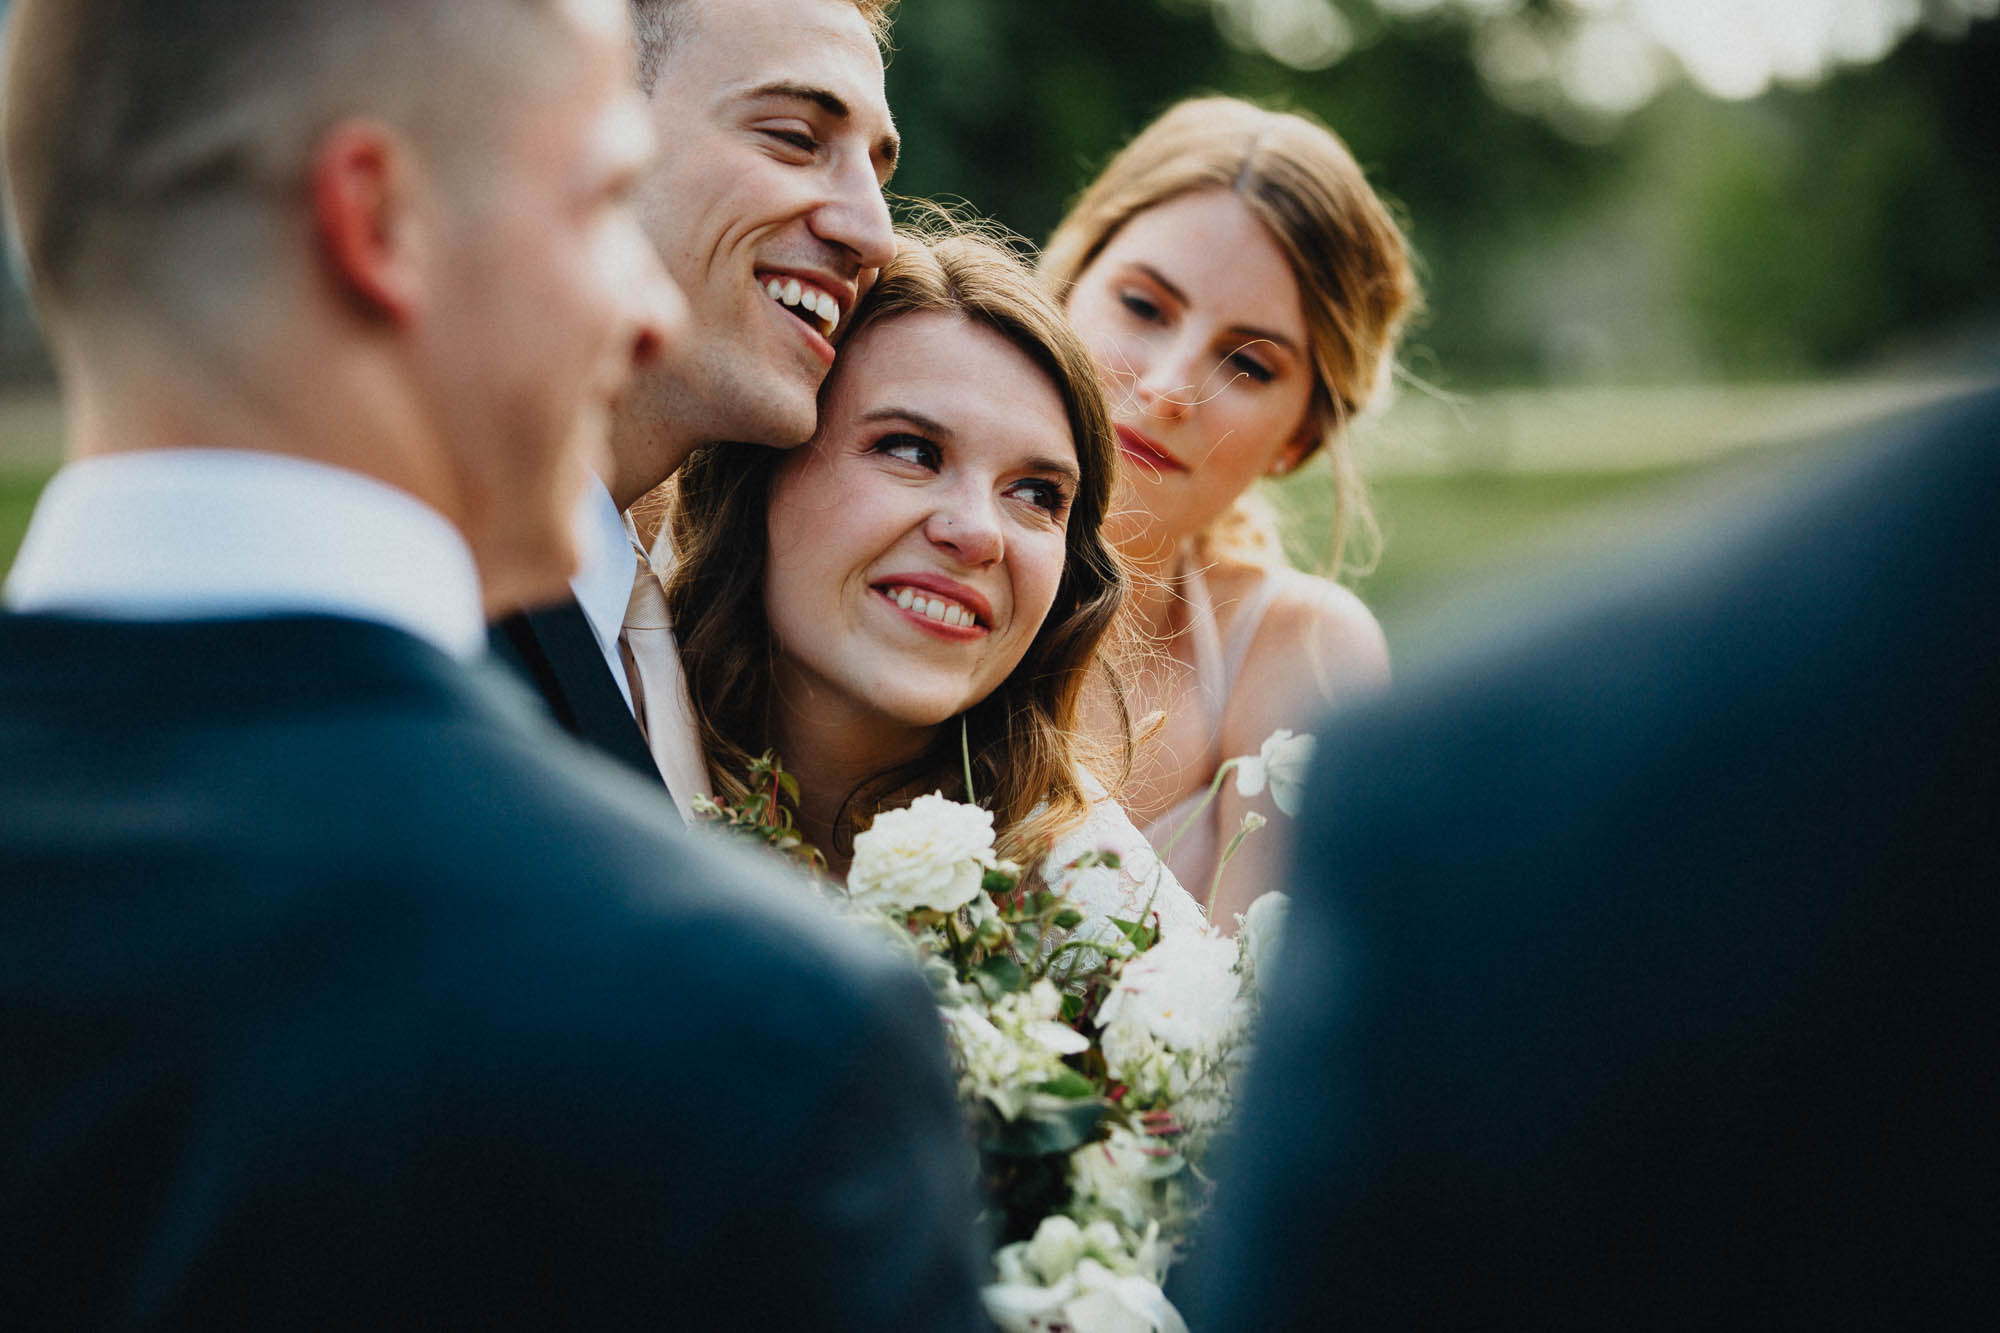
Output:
x,y
792,292
936,608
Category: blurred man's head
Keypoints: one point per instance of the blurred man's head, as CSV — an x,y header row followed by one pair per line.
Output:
x,y
388,234
767,208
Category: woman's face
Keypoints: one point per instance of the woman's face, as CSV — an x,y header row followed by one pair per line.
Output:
x,y
916,544
1196,322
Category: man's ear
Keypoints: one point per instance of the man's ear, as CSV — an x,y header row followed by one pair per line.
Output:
x,y
364,195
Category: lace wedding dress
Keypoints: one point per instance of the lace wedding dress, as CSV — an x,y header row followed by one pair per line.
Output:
x,y
1141,883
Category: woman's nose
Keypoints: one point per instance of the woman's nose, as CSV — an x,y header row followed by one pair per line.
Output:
x,y
1162,384
968,526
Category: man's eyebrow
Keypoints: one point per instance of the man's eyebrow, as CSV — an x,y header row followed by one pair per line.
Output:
x,y
1248,332
887,148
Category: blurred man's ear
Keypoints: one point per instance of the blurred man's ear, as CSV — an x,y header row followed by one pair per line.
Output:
x,y
364,190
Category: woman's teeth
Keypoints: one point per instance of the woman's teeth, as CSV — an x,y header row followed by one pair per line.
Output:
x,y
791,292
935,608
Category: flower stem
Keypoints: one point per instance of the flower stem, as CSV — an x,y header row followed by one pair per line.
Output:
x,y
1222,862
965,753
1221,772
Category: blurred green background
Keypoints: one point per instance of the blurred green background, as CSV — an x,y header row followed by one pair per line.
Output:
x,y
1662,240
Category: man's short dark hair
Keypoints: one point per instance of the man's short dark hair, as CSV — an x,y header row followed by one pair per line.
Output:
x,y
661,24
122,115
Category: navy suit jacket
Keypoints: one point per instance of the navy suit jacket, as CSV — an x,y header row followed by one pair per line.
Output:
x,y
553,650
1642,970
339,990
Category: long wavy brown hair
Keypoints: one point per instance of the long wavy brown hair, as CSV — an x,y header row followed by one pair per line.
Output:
x,y
1347,254
1027,758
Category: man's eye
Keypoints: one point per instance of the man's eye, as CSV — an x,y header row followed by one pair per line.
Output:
x,y
798,139
914,449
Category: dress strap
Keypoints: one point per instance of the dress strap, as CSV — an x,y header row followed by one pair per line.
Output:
x,y
1211,669
1243,628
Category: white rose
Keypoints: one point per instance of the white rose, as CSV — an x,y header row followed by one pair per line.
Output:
x,y
1055,1248
1182,991
931,855
1118,1175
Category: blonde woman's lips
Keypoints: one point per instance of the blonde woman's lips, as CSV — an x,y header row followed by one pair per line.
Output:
x,y
1145,453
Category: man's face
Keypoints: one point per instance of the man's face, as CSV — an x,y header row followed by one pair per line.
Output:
x,y
767,207
547,294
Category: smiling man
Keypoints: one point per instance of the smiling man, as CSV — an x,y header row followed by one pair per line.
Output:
x,y
766,206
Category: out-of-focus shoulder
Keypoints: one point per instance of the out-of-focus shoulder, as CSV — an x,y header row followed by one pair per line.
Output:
x,y
1314,626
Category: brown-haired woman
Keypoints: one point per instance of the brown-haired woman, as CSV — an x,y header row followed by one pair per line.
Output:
x,y
926,582
1243,289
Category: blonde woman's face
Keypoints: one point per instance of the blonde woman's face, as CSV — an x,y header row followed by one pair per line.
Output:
x,y
1200,336
916,544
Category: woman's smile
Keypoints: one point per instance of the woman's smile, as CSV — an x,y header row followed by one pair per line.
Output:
x,y
939,606
917,542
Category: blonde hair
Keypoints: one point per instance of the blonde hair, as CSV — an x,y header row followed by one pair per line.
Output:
x,y
1023,740
1347,254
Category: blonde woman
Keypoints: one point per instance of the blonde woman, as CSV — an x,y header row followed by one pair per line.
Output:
x,y
1242,289
921,590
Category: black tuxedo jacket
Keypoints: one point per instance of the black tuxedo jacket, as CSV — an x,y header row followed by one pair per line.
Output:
x,y
554,651
1642,971
339,990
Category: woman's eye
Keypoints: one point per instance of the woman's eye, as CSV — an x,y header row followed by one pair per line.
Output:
x,y
1139,305
914,449
1251,366
1047,496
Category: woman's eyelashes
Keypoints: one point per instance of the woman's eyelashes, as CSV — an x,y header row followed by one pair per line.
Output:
x,y
1051,497
1253,367
1239,359
1047,495
1139,304
912,449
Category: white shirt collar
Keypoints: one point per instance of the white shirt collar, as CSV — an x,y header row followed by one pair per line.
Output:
x,y
198,534
603,582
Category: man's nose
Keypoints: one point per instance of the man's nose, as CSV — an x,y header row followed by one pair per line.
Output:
x,y
856,218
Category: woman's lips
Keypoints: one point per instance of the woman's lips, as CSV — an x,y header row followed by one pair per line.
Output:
x,y
1144,452
942,606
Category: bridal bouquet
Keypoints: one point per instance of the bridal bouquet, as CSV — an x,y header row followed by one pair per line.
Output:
x,y
1098,1064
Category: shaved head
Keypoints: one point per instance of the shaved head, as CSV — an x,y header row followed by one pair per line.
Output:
x,y
140,133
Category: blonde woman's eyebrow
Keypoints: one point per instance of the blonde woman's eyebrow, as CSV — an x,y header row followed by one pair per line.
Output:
x,y
1248,332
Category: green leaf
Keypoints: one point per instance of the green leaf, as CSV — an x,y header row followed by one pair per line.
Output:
x,y
1004,972
1048,1126
1069,1084
996,881
1068,919
1072,1008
